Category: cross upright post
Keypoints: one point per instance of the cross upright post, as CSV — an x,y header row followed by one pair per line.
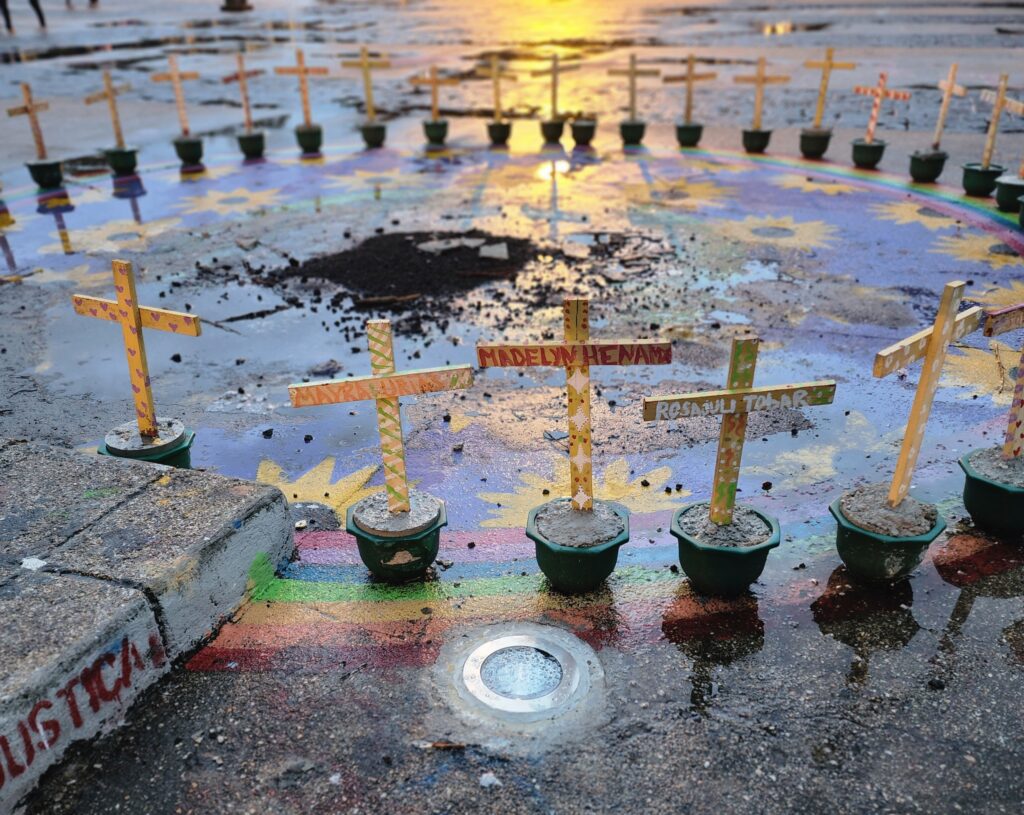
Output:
x,y
365,65
242,77
110,94
690,77
879,92
759,80
303,72
30,108
633,73
827,66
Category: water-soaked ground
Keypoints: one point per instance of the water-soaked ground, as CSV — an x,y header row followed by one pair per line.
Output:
x,y
810,694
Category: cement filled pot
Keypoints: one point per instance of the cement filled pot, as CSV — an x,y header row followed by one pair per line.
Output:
x,y
814,143
866,155
575,569
981,181
435,131
552,130
172,449
583,131
722,570
499,133
397,559
632,133
872,556
122,160
189,150
48,175
994,506
1009,189
373,134
756,141
252,145
925,168
310,139
688,135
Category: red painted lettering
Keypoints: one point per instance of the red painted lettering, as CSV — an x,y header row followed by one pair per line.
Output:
x,y
68,694
51,726
518,356
13,767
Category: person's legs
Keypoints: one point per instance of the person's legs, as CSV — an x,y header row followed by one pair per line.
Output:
x,y
7,15
39,12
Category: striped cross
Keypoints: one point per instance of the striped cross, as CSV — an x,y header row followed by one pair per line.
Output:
x,y
385,386
576,354
879,92
999,322
734,404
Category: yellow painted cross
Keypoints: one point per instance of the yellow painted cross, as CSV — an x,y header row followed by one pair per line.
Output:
x,y
176,77
496,73
133,319
999,322
365,65
633,73
242,77
879,92
30,108
576,354
110,94
385,386
690,77
303,72
733,404
435,81
931,344
827,66
949,89
554,72
998,101
759,80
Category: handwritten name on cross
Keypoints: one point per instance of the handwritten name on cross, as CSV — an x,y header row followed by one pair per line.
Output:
x,y
176,77
242,77
827,66
556,70
435,81
110,94
690,77
879,92
303,72
385,386
998,101
30,108
365,65
577,353
759,80
133,319
949,89
999,322
495,72
734,404
633,73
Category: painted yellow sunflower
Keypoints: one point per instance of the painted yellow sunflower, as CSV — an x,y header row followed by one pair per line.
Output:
x,y
806,183
913,212
1000,296
316,485
992,371
983,248
223,202
780,231
114,236
678,193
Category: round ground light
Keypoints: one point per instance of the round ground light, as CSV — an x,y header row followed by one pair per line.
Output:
x,y
521,673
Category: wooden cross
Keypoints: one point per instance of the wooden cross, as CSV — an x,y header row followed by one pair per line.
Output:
x,y
435,81
998,101
176,77
365,64
496,73
242,77
110,93
996,323
303,72
554,71
576,354
828,65
633,72
949,89
931,344
879,92
385,386
689,78
133,318
733,404
759,80
30,108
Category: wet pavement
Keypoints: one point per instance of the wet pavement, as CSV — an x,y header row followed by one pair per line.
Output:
x,y
810,694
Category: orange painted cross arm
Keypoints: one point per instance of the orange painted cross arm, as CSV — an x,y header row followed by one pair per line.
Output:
x,y
381,386
174,322
1005,319
567,354
739,400
906,352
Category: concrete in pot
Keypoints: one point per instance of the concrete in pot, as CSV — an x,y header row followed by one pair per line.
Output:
x,y
252,145
398,559
583,131
552,130
176,454
374,134
756,141
814,143
499,133
925,168
632,133
189,150
1009,189
688,135
310,139
122,160
866,155
994,506
981,181
435,131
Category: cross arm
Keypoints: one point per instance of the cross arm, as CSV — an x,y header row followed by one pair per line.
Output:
x,y
160,319
1002,320
628,72
914,347
739,400
357,63
561,70
421,80
674,78
99,96
386,386
248,75
566,354
1014,106
21,110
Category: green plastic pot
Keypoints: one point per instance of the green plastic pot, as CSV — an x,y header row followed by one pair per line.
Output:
x,y
756,141
252,145
373,134
1020,212
866,155
310,139
48,175
189,150
583,131
925,168
379,553
173,455
994,506
632,133
572,569
1009,189
552,130
981,181
499,133
436,132
722,570
814,142
875,557
688,135
122,160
